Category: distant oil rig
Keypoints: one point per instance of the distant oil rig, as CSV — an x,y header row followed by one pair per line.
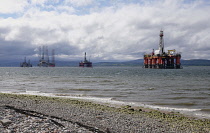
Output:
x,y
85,63
44,59
26,64
159,59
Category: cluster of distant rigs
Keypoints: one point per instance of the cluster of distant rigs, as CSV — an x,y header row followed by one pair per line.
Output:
x,y
158,59
44,59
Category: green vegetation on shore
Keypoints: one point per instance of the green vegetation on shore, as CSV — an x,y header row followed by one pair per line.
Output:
x,y
173,119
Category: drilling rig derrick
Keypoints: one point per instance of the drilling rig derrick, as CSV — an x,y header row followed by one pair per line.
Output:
x,y
44,60
159,59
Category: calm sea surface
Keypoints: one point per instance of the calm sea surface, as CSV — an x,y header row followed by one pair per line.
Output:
x,y
184,90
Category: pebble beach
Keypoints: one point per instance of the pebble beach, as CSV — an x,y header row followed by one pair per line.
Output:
x,y
27,113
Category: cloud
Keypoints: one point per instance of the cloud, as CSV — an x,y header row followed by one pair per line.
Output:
x,y
12,6
122,31
79,3
67,9
38,2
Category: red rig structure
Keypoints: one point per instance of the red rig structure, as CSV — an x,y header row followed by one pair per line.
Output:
x,y
159,59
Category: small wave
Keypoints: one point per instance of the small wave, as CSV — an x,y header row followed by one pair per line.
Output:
x,y
80,89
202,115
34,77
171,108
118,96
55,77
177,98
205,110
198,97
62,95
32,83
178,93
107,81
109,90
32,92
178,104
151,88
23,92
97,77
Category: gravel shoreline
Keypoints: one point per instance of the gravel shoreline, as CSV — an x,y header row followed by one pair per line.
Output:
x,y
25,113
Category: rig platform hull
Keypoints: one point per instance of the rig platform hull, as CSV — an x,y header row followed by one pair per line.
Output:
x,y
162,61
87,64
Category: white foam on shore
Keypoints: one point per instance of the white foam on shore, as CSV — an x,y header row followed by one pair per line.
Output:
x,y
111,101
171,109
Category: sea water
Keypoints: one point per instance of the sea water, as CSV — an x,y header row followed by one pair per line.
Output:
x,y
183,90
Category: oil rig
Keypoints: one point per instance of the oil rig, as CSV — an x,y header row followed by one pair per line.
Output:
x,y
159,59
44,59
26,64
85,63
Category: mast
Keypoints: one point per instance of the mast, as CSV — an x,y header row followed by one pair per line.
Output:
x,y
85,58
47,56
161,43
40,53
53,56
43,52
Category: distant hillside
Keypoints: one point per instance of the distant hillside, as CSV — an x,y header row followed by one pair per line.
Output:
x,y
195,62
139,62
67,63
34,63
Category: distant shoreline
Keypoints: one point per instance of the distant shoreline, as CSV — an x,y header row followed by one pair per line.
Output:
x,y
131,63
105,118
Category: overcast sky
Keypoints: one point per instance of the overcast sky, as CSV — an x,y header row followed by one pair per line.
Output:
x,y
106,29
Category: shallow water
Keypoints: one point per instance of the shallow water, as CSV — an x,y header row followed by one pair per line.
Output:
x,y
185,90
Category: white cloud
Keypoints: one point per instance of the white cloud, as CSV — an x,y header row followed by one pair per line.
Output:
x,y
79,3
12,6
114,33
44,2
66,9
38,2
